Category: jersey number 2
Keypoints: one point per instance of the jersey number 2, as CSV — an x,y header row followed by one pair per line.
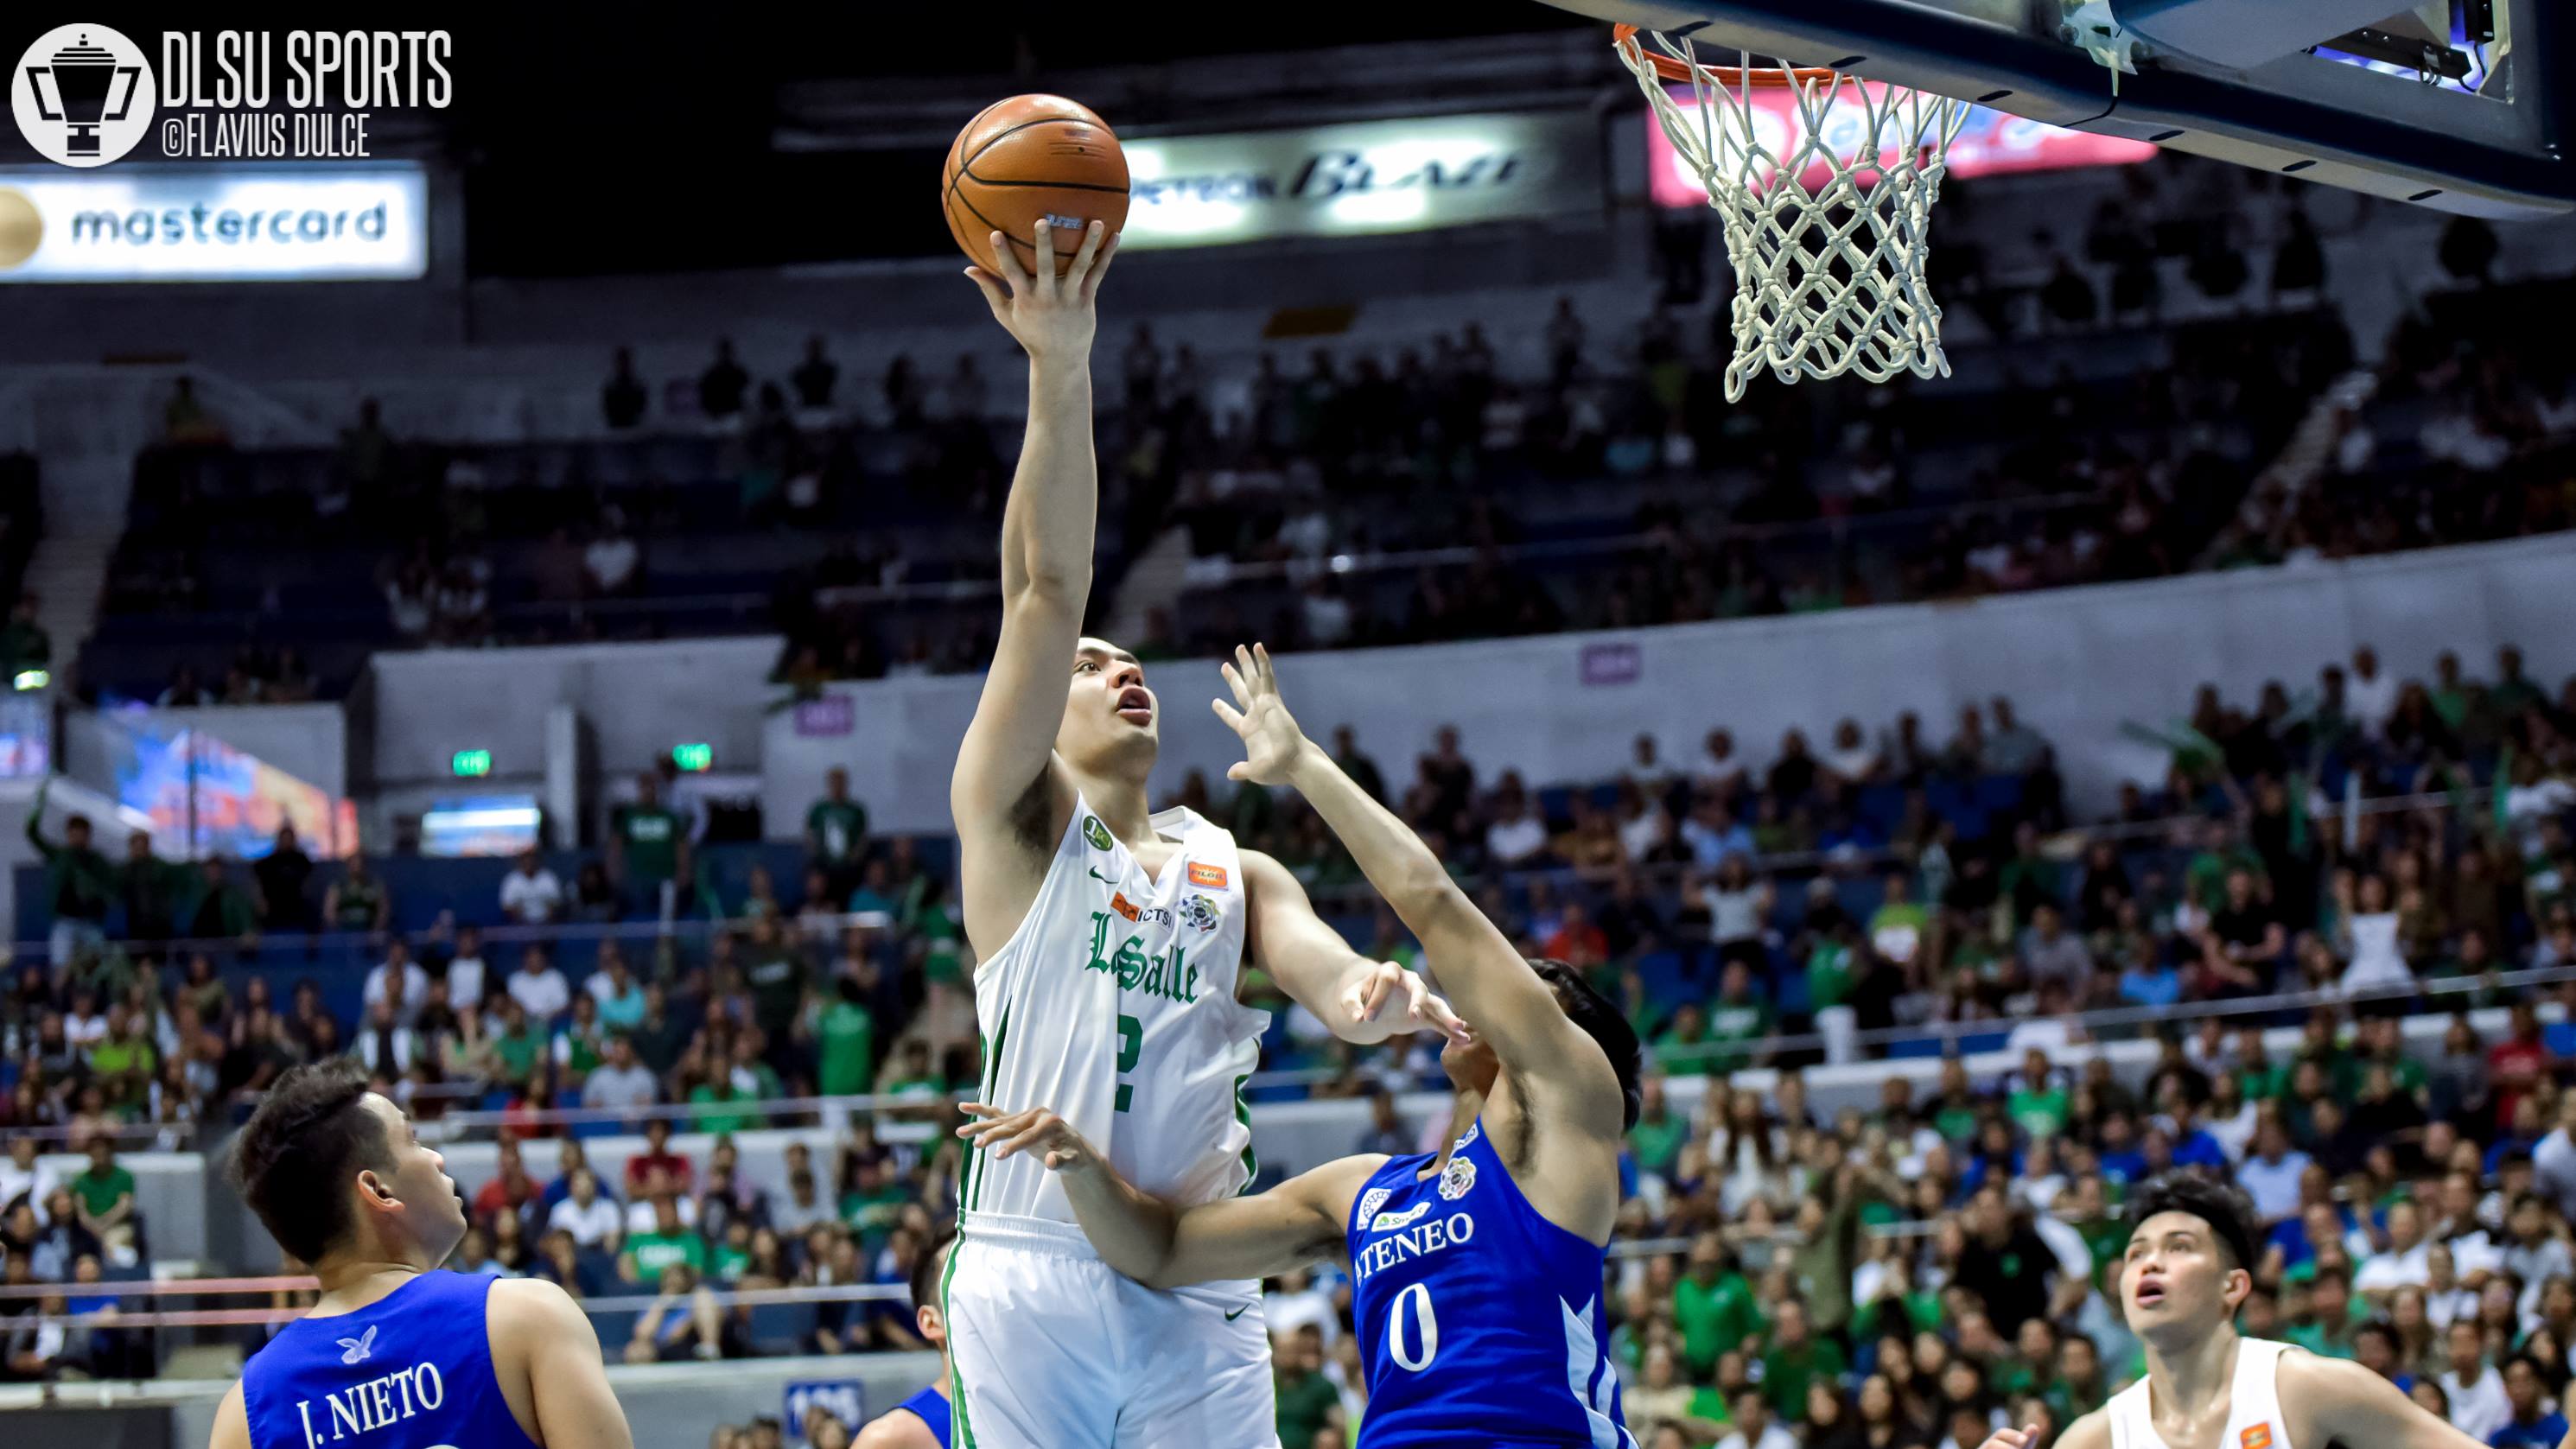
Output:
x,y
1131,1044
1426,1341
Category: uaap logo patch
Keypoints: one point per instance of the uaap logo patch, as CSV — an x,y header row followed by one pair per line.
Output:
x,y
1199,911
1371,1201
1095,832
1458,1180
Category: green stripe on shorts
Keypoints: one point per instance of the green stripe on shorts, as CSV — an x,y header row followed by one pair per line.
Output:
x,y
956,1379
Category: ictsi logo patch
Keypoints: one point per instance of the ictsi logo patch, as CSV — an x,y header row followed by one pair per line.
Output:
x,y
1118,902
1211,876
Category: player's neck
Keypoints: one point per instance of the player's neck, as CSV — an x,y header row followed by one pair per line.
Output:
x,y
363,1276
2190,1377
1118,798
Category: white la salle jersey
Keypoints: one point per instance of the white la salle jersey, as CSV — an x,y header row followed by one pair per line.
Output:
x,y
1113,1004
2254,1418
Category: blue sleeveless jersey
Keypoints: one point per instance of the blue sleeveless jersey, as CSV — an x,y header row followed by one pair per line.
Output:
x,y
930,1406
413,1370
1480,1322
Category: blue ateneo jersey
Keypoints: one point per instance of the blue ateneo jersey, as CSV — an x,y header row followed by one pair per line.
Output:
x,y
930,1406
412,1370
1479,1321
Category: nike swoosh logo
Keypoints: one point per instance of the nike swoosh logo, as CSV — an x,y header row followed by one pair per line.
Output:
x,y
1095,875
1237,1313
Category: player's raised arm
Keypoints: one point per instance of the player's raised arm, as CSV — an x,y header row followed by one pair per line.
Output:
x,y
2349,1404
1161,1246
1003,765
1492,986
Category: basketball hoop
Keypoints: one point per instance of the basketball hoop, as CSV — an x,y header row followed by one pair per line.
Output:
x,y
1827,226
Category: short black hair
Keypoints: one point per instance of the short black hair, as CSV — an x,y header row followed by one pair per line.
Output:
x,y
1603,1021
295,1157
925,1270
2227,1210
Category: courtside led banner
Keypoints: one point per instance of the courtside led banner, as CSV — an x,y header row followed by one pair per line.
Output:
x,y
1990,143
290,223
1355,179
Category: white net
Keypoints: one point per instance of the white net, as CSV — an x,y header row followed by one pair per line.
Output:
x,y
1827,204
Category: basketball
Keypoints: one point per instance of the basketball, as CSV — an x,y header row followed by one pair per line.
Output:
x,y
1030,157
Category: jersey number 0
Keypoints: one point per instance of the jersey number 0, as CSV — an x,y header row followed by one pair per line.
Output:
x,y
1416,1356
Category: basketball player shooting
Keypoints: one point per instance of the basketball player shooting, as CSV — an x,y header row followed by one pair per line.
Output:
x,y
2210,1387
1111,943
344,1184
1477,1272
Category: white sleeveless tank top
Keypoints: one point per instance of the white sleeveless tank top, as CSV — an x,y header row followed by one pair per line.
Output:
x,y
2254,1418
1113,1004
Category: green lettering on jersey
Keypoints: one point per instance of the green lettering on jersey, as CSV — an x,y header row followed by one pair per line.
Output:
x,y
1129,963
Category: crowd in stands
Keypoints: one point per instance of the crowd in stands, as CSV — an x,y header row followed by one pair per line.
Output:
x,y
1397,496
2364,839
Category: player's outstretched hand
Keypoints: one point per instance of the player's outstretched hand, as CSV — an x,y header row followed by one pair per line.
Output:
x,y
1034,1130
1051,316
1271,738
2025,1437
1423,1009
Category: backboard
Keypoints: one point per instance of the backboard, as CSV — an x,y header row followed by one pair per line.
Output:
x,y
2460,105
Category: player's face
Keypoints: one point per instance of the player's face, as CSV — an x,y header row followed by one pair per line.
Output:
x,y
433,1209
1472,1067
1108,710
2175,1275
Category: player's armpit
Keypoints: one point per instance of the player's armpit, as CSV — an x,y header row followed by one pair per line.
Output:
x,y
1301,1221
537,1325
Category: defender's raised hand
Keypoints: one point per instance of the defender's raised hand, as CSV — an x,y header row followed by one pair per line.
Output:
x,y
1271,738
1051,316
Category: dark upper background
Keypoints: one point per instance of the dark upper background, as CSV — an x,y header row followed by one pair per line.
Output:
x,y
643,137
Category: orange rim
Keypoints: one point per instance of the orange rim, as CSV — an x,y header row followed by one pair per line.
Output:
x,y
1759,77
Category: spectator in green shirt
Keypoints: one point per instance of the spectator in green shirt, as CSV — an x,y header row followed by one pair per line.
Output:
x,y
1796,1358
1656,1141
124,1062
836,833
1713,1304
223,911
1739,1014
845,1042
2079,1388
874,1202
776,973
150,888
645,844
647,1255
518,1044
1307,1400
1955,1112
2326,1328
2038,1104
357,902
1683,1045
103,1197
1897,927
24,644
79,883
